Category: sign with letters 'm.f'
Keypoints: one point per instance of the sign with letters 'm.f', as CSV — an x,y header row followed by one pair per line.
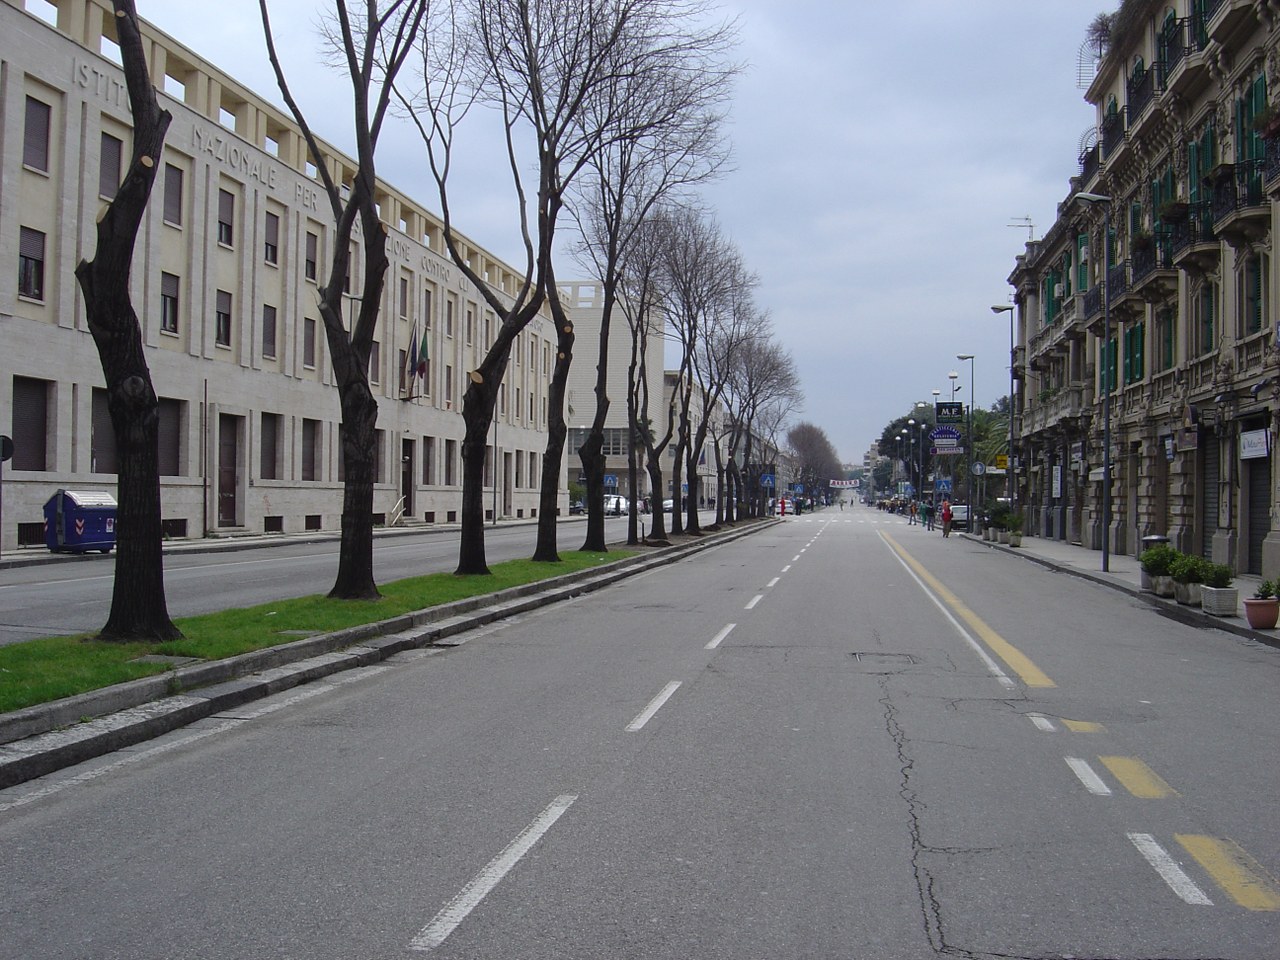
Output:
x,y
949,411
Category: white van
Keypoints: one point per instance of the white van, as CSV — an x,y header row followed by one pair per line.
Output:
x,y
615,506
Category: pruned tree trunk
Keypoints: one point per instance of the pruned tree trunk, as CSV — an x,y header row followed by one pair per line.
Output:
x,y
138,607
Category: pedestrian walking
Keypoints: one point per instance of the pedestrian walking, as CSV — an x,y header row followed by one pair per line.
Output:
x,y
911,514
928,514
946,518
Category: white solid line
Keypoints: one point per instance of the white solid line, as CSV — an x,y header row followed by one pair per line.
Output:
x,y
654,706
754,600
482,884
719,637
992,667
1092,782
773,582
1042,723
1170,872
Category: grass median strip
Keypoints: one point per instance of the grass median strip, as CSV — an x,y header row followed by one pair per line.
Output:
x,y
38,671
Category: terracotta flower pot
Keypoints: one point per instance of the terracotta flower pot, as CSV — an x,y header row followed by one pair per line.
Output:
x,y
1262,614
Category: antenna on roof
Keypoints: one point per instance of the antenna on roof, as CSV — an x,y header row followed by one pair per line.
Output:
x,y
1024,223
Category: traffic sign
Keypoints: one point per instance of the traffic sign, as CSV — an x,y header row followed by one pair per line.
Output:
x,y
977,468
767,480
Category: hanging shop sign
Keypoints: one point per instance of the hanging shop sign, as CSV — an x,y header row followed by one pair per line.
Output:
x,y
1254,444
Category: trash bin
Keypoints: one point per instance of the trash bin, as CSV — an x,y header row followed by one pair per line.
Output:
x,y
1153,540
80,520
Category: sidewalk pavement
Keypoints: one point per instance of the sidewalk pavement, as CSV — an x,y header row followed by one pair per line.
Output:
x,y
1125,574
47,737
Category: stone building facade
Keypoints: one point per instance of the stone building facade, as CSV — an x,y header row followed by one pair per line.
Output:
x,y
1161,282
230,254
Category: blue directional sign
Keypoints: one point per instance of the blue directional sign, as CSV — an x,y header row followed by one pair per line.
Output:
x,y
942,485
767,480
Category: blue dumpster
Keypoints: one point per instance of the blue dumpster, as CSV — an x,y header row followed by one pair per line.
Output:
x,y
80,520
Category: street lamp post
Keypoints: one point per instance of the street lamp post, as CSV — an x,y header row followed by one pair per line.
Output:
x,y
1105,201
1011,486
953,376
969,440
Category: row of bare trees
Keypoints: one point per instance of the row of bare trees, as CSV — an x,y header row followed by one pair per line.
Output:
x,y
612,112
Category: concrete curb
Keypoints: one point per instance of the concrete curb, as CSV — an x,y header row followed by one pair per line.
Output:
x,y
1191,616
42,739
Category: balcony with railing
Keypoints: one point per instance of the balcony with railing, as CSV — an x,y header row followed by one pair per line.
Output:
x,y
1271,164
1090,164
1185,69
1113,128
1091,303
1193,242
1154,275
1140,91
1241,211
1224,19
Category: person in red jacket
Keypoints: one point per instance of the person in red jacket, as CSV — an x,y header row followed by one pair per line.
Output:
x,y
946,518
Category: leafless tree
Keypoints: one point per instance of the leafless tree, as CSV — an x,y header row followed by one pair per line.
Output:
x,y
545,66
703,280
665,137
138,608
763,388
816,460
372,45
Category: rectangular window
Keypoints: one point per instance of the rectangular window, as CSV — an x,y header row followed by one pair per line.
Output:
x,y
30,423
35,143
471,320
271,239
169,289
30,263
169,439
404,297
1166,338
448,388
173,178
1135,353
222,322
1251,300
269,466
102,436
375,362
428,460
1206,321
313,252
379,456
310,449
309,343
1109,365
450,456
268,332
426,306
226,218
109,166
448,317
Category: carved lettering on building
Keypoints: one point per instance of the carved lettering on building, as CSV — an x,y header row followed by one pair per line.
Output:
x,y
104,85
235,157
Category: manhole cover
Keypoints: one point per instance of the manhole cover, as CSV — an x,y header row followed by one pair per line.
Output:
x,y
890,661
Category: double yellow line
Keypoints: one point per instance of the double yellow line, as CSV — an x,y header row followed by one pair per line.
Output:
x,y
1016,660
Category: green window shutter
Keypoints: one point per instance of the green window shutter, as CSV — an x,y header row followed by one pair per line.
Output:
x,y
1082,267
1170,339
1193,172
1140,357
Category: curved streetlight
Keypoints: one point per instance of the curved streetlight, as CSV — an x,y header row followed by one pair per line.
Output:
x,y
1011,486
1104,364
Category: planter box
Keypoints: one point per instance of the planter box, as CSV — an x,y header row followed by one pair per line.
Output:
x,y
1220,601
1015,539
1187,594
1004,536
1163,586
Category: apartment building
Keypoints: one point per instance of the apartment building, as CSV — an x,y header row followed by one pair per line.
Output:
x,y
230,255
1160,286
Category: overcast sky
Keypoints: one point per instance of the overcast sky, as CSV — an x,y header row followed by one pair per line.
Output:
x,y
881,152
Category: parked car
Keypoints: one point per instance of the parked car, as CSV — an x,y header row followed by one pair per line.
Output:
x,y
577,506
615,506
668,506
960,516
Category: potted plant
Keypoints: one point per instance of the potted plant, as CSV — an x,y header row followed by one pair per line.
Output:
x,y
1142,241
1263,608
1187,571
1014,525
1267,122
1217,596
1156,562
1173,211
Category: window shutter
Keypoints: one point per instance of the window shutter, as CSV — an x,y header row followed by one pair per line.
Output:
x,y
35,144
172,194
170,433
31,244
30,423
109,167
103,439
